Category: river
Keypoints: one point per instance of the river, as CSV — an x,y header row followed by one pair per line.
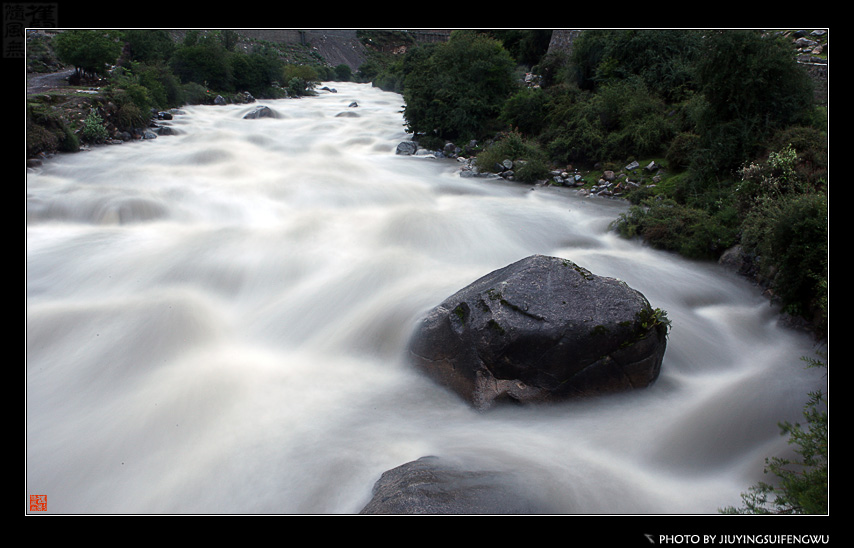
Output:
x,y
217,322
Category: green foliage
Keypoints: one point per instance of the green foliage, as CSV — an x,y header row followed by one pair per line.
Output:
x,y
621,120
752,87
633,120
343,73
389,79
526,46
40,55
785,211
554,69
691,232
801,483
662,59
47,132
196,94
681,150
456,89
574,131
164,89
529,160
789,235
253,72
369,70
149,46
93,130
90,51
300,79
132,99
202,61
526,110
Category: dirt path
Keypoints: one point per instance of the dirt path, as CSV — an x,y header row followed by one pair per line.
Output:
x,y
42,83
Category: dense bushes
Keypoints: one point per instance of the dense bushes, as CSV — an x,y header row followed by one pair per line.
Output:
x,y
692,232
139,72
703,103
48,132
530,163
785,227
161,73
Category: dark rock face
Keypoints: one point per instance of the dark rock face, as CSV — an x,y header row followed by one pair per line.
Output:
x,y
431,485
541,329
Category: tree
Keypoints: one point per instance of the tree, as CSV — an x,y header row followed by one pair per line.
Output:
x,y
149,46
253,72
752,86
204,61
343,73
663,59
456,89
527,46
90,51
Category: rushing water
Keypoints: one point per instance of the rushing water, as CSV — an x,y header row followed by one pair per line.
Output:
x,y
216,323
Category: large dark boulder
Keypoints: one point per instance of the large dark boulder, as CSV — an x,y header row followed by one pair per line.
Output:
x,y
431,485
541,329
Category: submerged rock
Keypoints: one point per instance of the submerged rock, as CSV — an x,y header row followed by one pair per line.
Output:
x,y
541,329
262,111
431,485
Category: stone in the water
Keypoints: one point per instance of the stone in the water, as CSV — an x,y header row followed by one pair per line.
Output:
x,y
431,485
261,112
541,329
407,148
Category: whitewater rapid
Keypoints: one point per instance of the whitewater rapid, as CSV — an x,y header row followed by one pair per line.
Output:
x,y
217,323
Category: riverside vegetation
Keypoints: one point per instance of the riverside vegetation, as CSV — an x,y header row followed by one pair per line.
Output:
x,y
729,116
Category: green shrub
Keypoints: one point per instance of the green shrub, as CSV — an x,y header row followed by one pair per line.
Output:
x,y
129,116
194,93
575,132
254,72
203,62
48,132
149,45
93,130
529,160
455,89
39,139
789,234
634,120
691,232
554,69
297,87
753,87
681,149
532,170
342,73
526,110
662,59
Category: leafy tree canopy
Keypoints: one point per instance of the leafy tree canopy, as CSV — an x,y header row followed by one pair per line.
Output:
x,y
90,51
458,87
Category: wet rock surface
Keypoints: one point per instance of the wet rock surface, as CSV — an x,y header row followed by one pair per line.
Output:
x,y
541,329
431,485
